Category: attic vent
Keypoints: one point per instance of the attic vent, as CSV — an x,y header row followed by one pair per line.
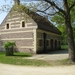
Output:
x,y
16,2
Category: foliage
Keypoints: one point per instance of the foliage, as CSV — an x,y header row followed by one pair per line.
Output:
x,y
59,20
9,44
60,25
66,10
63,35
74,32
65,47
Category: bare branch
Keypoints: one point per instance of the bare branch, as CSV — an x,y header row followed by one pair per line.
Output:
x,y
54,5
52,14
47,8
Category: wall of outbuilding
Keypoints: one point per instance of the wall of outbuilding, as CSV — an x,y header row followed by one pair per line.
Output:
x,y
56,38
22,36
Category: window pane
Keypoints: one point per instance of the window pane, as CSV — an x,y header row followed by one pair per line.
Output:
x,y
23,24
7,26
40,42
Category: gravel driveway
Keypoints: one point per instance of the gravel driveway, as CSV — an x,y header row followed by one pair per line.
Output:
x,y
25,70
28,70
55,55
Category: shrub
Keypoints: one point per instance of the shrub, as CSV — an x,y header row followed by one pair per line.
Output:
x,y
9,44
9,48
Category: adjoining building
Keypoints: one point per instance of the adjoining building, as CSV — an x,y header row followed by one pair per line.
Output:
x,y
30,31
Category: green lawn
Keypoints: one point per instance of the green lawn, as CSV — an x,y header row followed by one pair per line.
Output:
x,y
64,46
20,59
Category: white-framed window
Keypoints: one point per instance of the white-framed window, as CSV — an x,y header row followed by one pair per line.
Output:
x,y
23,23
7,26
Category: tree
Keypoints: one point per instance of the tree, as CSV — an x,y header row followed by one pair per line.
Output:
x,y
65,12
59,23
63,35
67,17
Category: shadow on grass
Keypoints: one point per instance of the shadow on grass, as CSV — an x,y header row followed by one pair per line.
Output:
x,y
22,54
55,52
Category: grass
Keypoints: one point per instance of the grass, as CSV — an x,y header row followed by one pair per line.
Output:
x,y
64,46
22,54
20,59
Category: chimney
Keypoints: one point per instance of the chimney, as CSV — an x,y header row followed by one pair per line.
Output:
x,y
16,2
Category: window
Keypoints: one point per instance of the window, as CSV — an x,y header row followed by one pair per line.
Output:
x,y
23,24
40,42
51,44
7,26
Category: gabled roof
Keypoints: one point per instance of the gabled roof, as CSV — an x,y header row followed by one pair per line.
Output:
x,y
41,21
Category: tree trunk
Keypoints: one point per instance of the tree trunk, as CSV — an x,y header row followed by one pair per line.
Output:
x,y
70,38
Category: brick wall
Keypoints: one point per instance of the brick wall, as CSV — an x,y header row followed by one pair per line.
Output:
x,y
49,36
22,36
17,35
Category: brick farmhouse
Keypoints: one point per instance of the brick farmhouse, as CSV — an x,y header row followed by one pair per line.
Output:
x,y
30,31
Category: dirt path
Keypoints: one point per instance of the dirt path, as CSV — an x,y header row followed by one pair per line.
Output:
x,y
55,55
24,70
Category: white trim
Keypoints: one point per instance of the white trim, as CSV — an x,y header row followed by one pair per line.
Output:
x,y
15,25
6,26
22,46
21,24
16,38
26,47
13,19
35,40
14,28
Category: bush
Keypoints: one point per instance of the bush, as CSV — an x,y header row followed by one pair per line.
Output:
x,y
9,45
9,48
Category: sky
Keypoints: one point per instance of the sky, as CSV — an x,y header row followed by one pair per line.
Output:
x,y
3,14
